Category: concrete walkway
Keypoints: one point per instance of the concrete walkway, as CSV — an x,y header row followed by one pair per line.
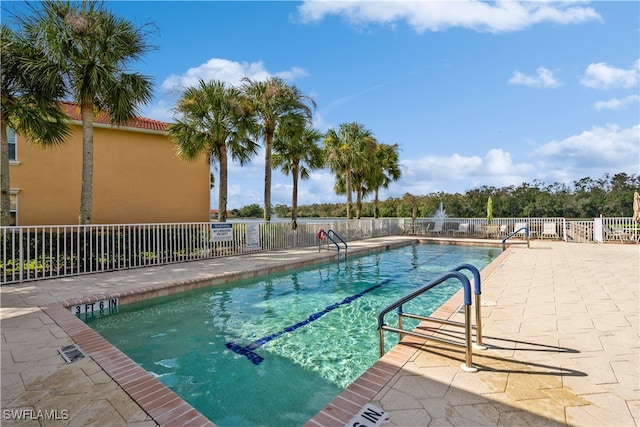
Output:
x,y
560,322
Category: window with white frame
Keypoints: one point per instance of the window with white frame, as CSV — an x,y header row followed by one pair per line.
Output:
x,y
11,135
14,207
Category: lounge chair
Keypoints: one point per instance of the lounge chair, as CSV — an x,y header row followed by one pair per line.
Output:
x,y
423,229
437,228
519,229
616,234
549,230
463,229
503,230
491,231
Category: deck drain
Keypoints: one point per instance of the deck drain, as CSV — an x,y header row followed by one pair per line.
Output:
x,y
71,353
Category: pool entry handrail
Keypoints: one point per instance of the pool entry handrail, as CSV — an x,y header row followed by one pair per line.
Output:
x,y
526,233
331,237
467,324
477,292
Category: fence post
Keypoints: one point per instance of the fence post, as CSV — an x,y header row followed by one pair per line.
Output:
x,y
597,230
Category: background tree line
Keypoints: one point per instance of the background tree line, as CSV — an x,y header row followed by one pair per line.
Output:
x,y
610,195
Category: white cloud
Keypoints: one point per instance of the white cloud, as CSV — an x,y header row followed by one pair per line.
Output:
x,y
231,72
595,152
543,78
160,110
292,74
225,70
609,148
499,16
461,173
616,103
603,76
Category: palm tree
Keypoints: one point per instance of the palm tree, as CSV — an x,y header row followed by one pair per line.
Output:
x,y
92,49
384,171
296,152
213,118
272,101
360,177
347,151
29,90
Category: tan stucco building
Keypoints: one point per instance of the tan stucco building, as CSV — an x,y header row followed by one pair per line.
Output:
x,y
137,177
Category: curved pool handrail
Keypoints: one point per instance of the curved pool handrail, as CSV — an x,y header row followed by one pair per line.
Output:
x,y
476,275
330,237
478,300
526,233
466,285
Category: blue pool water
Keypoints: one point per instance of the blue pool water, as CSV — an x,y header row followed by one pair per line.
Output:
x,y
272,351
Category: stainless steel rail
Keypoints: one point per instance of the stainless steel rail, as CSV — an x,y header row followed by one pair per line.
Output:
x,y
331,237
526,233
466,285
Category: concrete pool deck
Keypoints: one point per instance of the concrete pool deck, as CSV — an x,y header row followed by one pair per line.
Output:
x,y
560,321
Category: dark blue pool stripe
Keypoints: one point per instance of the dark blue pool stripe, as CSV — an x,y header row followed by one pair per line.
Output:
x,y
256,359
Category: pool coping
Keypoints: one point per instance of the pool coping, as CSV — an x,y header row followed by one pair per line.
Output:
x,y
165,407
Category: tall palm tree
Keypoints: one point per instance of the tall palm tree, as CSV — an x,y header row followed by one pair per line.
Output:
x,y
347,150
296,152
384,171
93,49
29,90
214,119
272,101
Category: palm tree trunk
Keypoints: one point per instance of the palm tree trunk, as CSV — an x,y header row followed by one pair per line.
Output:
x,y
86,192
295,171
267,177
348,185
5,186
222,186
376,209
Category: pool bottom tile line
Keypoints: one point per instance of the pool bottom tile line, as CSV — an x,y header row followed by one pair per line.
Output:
x,y
256,359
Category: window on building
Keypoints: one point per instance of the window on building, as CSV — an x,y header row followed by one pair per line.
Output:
x,y
12,145
14,208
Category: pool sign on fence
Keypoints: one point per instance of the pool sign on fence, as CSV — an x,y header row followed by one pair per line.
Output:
x,y
253,237
98,308
221,232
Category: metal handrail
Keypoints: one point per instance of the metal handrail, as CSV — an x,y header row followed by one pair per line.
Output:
x,y
526,233
466,286
330,237
477,291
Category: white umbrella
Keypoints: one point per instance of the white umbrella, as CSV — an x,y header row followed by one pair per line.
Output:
x,y
636,207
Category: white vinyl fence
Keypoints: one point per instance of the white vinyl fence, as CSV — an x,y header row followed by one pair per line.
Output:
x,y
40,252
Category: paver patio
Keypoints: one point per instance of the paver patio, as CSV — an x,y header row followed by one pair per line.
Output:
x,y
560,321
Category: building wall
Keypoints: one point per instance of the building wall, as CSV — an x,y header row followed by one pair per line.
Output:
x,y
137,179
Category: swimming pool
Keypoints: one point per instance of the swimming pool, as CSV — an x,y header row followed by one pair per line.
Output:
x,y
276,349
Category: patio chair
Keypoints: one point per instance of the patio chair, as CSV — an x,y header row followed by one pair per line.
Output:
x,y
423,228
463,229
549,230
520,226
437,228
616,234
503,230
491,231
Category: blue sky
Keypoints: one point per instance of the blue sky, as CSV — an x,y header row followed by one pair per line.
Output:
x,y
475,93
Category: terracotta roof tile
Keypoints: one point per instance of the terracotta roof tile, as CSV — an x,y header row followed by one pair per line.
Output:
x,y
73,111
